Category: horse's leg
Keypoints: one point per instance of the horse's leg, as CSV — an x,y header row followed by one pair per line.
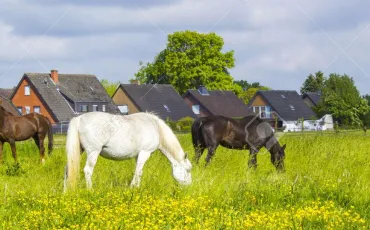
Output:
x,y
1,151
211,153
141,159
37,142
198,152
41,138
252,159
14,150
91,160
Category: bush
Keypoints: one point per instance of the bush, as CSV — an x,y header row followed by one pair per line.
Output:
x,y
182,125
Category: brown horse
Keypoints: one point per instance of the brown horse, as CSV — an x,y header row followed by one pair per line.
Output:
x,y
20,128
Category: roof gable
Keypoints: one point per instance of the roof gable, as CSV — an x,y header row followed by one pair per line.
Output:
x,y
161,99
314,97
9,106
288,104
220,102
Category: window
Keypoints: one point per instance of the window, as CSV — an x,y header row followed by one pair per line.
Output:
x,y
103,108
263,111
20,110
166,108
27,90
95,108
195,109
36,109
28,109
84,108
123,109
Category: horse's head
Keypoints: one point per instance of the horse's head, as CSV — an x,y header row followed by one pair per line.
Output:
x,y
182,171
279,158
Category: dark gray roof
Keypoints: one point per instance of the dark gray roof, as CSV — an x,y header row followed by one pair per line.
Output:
x,y
6,93
283,102
154,98
74,87
53,99
314,97
221,102
8,106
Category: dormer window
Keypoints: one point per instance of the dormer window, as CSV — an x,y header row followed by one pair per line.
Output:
x,y
203,90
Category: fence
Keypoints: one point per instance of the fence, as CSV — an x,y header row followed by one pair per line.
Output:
x,y
60,128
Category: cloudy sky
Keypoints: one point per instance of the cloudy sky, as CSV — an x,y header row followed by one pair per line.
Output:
x,y
277,43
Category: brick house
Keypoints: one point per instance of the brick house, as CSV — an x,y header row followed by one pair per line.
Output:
x,y
61,96
161,99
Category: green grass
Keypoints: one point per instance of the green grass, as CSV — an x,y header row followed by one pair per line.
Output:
x,y
326,185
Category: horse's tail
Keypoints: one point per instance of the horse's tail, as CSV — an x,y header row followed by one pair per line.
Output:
x,y
196,132
73,155
50,136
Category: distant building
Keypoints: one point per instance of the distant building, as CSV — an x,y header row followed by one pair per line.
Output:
x,y
61,96
160,99
206,102
287,108
312,98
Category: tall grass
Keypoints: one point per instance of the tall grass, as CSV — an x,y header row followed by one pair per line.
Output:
x,y
331,168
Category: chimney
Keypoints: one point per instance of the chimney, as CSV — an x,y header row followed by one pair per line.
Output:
x,y
54,76
135,82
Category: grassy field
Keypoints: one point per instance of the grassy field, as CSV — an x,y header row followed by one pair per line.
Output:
x,y
326,186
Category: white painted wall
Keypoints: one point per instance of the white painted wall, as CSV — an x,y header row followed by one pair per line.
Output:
x,y
324,123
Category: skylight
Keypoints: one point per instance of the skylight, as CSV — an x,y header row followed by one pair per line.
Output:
x,y
283,96
167,109
291,107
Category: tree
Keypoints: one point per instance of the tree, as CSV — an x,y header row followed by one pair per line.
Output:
x,y
341,98
248,94
366,117
313,83
191,59
109,87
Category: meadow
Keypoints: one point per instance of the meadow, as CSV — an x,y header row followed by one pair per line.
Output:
x,y
326,186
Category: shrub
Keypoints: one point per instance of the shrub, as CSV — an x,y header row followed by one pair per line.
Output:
x,y
182,125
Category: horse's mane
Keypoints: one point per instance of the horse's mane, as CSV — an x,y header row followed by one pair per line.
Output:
x,y
168,139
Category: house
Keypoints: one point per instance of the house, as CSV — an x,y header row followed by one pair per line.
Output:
x,y
6,103
206,102
161,99
61,96
6,93
311,98
287,108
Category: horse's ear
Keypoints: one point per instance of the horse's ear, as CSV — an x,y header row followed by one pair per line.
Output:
x,y
283,147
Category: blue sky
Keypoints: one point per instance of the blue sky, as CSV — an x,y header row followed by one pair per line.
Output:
x,y
277,43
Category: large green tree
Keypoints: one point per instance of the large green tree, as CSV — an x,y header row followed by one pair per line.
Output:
x,y
189,60
341,98
313,83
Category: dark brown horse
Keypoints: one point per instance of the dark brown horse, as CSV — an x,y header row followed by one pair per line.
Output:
x,y
249,132
20,128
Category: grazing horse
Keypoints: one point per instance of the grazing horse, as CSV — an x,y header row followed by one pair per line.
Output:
x,y
20,128
121,137
249,132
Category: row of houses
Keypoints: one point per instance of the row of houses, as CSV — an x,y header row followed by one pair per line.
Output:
x,y
63,96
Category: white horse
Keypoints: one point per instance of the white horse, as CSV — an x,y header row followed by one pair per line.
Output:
x,y
119,137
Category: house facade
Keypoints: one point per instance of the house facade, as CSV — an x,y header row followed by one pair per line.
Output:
x,y
286,108
61,96
204,102
160,99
